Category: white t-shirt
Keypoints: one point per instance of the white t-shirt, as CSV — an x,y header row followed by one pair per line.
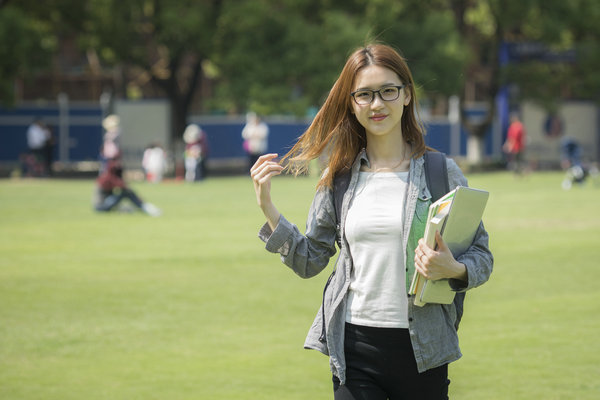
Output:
x,y
377,293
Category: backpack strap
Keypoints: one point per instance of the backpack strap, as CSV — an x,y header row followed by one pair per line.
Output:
x,y
341,181
436,174
340,184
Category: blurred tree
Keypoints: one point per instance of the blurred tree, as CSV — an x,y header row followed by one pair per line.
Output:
x,y
167,42
425,34
21,58
564,56
282,56
557,26
33,33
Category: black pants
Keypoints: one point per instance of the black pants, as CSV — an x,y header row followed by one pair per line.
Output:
x,y
108,200
380,365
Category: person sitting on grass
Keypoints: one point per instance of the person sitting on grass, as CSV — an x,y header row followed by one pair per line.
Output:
x,y
111,189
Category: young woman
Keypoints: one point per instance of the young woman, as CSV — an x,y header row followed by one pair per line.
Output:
x,y
381,346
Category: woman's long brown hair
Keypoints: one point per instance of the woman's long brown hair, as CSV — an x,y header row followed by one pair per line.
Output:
x,y
336,130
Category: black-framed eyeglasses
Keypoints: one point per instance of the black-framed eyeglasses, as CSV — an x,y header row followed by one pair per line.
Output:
x,y
365,96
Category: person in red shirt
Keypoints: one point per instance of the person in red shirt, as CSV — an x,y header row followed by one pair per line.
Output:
x,y
514,146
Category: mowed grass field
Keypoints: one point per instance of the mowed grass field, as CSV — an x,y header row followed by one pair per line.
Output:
x,y
190,305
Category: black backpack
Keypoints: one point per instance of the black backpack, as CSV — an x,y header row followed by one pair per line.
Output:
x,y
436,175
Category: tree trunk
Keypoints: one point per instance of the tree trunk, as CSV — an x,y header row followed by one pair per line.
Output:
x,y
178,119
179,100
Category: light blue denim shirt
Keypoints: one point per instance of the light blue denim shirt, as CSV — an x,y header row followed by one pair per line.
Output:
x,y
432,327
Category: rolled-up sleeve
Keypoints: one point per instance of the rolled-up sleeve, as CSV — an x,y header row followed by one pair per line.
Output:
x,y
306,254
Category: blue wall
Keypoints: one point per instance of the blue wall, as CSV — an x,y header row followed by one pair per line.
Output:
x,y
224,136
85,131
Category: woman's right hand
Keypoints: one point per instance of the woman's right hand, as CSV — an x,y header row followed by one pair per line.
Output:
x,y
261,172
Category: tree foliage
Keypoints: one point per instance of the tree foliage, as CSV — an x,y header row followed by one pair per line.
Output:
x,y
563,28
26,56
162,41
282,56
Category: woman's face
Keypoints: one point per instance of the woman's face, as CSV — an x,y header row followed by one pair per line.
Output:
x,y
380,117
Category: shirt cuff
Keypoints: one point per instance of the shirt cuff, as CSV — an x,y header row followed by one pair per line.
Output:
x,y
276,240
458,285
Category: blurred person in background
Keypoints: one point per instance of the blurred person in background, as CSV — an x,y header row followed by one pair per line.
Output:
x,y
256,136
38,136
380,344
570,153
514,146
110,140
49,149
195,154
111,188
571,161
154,162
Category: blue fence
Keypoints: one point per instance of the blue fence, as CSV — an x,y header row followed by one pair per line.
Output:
x,y
225,137
84,133
83,125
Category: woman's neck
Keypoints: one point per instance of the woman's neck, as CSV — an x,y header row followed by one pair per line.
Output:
x,y
388,154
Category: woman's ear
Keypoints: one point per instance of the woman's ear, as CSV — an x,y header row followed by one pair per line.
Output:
x,y
407,98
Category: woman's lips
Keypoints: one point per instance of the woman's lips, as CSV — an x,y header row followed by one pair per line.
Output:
x,y
378,117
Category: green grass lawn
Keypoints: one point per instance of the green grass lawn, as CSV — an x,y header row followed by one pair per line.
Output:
x,y
190,305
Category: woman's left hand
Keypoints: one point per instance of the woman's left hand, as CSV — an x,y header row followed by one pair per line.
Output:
x,y
438,264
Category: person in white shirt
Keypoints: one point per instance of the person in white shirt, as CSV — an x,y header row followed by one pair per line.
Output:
x,y
37,137
256,136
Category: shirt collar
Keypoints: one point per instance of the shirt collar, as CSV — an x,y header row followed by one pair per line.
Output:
x,y
363,159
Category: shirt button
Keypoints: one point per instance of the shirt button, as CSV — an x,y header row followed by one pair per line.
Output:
x,y
410,320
